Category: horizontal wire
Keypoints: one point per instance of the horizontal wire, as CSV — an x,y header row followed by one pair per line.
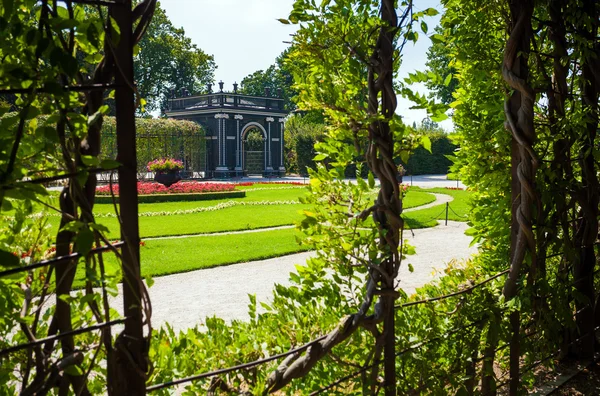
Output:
x,y
234,368
399,353
61,335
59,260
456,293
49,179
527,369
93,2
71,88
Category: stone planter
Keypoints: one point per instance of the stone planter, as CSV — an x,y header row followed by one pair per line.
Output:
x,y
167,178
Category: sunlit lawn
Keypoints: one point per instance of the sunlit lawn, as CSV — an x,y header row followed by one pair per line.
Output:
x,y
229,219
174,255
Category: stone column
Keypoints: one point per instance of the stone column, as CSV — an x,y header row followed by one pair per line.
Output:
x,y
222,141
269,164
238,157
281,163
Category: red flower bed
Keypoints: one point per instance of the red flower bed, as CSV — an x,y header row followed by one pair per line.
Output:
x,y
149,188
243,184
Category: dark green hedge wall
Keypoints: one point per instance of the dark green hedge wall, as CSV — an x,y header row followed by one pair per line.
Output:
x,y
422,162
160,138
153,198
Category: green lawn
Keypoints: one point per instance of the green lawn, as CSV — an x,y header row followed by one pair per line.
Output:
x,y
171,256
168,256
459,209
229,219
274,194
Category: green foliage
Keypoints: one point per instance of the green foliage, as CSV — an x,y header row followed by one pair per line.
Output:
x,y
443,81
160,138
47,48
254,140
434,161
277,76
167,59
301,135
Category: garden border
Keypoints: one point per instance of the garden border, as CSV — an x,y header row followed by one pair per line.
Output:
x,y
154,198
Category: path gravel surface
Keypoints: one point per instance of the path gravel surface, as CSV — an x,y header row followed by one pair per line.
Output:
x,y
184,300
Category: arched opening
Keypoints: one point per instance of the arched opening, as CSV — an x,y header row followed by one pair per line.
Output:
x,y
253,150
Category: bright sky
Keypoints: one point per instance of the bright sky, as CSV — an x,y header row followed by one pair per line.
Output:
x,y
244,36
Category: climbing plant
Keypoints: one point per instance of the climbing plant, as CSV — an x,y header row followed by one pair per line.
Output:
x,y
59,58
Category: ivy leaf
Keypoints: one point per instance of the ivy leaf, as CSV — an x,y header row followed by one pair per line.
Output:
x,y
431,12
426,142
74,371
8,259
90,160
109,164
6,205
84,241
371,180
98,227
149,280
284,21
437,38
448,79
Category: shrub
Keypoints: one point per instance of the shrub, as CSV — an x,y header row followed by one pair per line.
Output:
x,y
154,198
422,162
160,138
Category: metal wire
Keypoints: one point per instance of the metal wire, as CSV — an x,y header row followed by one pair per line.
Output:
x,y
71,88
49,179
40,341
234,368
456,293
418,345
59,260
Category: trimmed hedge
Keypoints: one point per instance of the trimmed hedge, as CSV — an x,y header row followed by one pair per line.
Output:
x,y
160,138
422,162
107,199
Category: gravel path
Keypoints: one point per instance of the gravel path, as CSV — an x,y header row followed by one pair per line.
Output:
x,y
184,300
440,199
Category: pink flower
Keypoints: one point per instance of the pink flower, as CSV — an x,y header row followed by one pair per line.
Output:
x,y
148,188
164,164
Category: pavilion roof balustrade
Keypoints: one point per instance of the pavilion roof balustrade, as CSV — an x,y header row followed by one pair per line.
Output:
x,y
225,100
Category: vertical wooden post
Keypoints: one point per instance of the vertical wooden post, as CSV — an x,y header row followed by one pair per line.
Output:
x,y
519,111
131,362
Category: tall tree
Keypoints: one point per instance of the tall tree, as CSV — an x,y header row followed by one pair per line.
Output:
x,y
167,59
276,76
442,81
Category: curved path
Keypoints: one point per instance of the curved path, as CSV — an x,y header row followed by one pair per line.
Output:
x,y
440,199
185,299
